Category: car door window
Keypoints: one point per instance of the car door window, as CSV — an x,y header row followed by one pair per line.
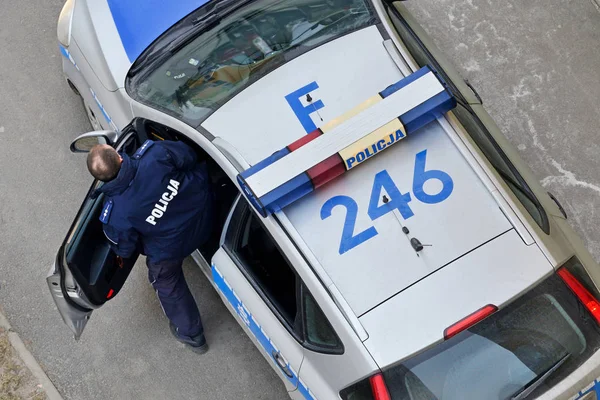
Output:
x,y
269,269
270,273
474,127
259,259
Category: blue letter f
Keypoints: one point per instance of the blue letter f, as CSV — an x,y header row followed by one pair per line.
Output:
x,y
303,113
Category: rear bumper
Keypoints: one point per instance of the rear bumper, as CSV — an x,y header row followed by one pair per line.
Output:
x,y
576,384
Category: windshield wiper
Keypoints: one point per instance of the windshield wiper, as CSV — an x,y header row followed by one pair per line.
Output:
x,y
535,383
213,11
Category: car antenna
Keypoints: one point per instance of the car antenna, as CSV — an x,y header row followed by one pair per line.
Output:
x,y
309,100
414,242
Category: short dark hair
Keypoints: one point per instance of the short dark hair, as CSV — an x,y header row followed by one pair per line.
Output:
x,y
103,162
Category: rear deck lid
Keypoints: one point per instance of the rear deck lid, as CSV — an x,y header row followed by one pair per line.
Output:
x,y
417,318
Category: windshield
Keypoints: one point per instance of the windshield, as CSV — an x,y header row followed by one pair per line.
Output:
x,y
517,353
235,50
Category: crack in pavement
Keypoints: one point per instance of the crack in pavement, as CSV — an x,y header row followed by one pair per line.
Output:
x,y
567,178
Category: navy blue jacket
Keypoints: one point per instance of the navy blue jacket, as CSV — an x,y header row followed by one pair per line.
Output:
x,y
160,203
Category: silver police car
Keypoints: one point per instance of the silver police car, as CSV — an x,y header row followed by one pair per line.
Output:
x,y
379,238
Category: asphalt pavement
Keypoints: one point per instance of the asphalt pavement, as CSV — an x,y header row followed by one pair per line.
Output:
x,y
535,63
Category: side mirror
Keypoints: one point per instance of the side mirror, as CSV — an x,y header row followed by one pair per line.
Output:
x,y
84,143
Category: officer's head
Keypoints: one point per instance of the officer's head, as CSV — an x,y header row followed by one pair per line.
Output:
x,y
104,162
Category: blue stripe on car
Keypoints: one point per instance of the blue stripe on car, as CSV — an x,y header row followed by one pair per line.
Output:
x,y
69,57
66,54
257,331
106,116
140,22
64,51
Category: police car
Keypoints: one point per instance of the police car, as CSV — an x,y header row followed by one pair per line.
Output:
x,y
378,236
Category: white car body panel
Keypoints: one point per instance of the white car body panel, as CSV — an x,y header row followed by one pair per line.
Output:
x,y
112,109
252,311
95,33
492,274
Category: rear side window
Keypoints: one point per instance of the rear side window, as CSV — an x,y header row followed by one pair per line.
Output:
x,y
505,356
270,273
268,269
475,127
317,329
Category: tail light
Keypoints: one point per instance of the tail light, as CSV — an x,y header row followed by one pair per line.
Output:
x,y
378,387
372,388
568,275
469,321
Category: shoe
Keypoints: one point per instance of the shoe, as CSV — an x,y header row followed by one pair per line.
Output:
x,y
197,343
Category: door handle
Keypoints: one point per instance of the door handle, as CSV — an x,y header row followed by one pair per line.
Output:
x,y
282,364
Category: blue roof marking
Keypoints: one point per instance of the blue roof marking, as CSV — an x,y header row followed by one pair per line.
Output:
x,y
141,22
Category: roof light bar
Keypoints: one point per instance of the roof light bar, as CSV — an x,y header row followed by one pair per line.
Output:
x,y
469,321
345,142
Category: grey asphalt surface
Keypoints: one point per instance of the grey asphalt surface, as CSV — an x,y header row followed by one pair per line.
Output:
x,y
535,63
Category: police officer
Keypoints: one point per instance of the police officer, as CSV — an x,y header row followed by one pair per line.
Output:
x,y
158,202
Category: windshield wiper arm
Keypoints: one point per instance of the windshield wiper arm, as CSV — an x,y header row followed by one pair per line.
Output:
x,y
534,384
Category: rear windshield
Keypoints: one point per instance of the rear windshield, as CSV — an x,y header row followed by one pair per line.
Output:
x,y
236,49
545,334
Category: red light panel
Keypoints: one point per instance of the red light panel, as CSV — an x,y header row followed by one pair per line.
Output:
x,y
304,139
378,387
326,171
470,320
581,292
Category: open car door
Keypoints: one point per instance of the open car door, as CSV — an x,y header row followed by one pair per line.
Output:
x,y
86,272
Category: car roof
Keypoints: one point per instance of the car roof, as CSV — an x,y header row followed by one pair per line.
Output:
x,y
381,261
140,22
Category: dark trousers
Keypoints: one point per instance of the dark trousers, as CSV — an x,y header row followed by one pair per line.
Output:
x,y
175,297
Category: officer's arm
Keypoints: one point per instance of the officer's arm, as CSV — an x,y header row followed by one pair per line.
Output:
x,y
122,243
182,156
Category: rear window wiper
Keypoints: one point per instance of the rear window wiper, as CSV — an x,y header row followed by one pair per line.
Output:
x,y
535,383
516,185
